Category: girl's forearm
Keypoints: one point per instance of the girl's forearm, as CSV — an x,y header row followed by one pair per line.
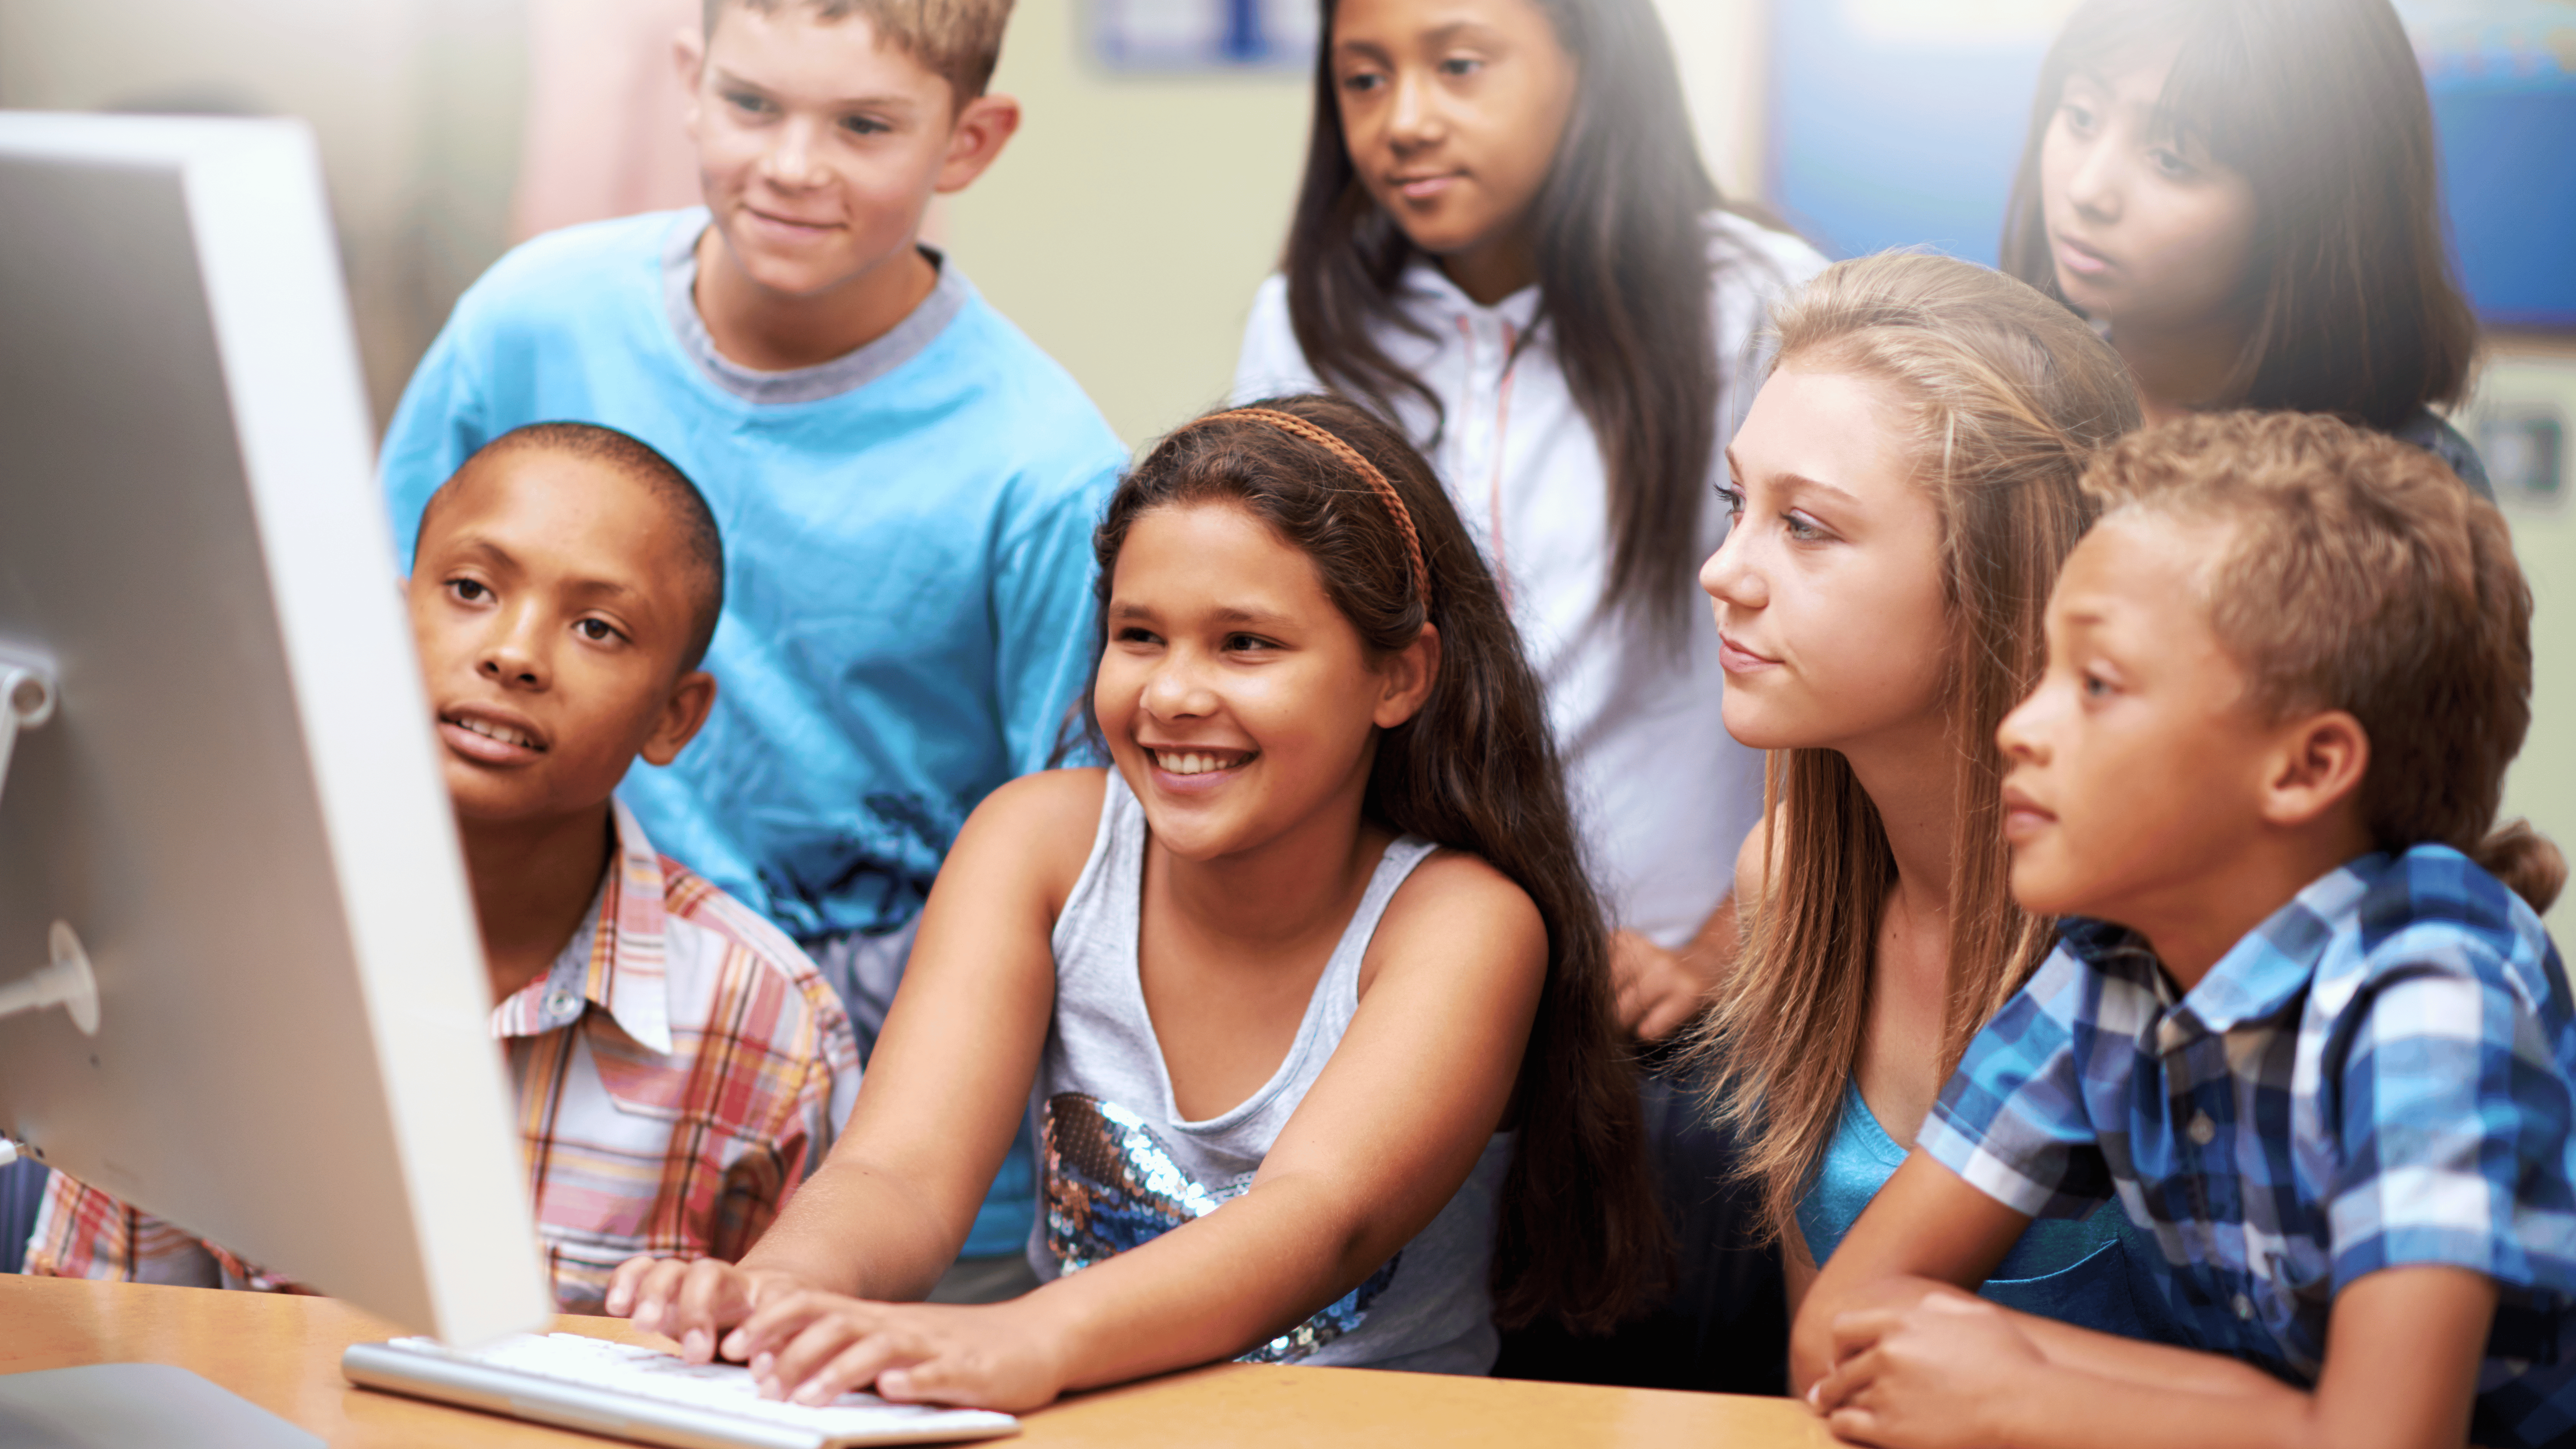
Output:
x,y
854,1228
1207,1290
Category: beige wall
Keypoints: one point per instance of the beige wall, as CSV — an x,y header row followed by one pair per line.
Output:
x,y
2527,371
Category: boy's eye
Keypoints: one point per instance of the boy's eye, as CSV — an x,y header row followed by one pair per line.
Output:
x,y
1245,643
1132,634
467,591
746,102
597,631
1461,65
864,126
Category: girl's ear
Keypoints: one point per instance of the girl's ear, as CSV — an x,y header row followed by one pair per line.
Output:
x,y
1409,674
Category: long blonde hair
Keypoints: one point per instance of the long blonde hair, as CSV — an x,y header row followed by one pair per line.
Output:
x,y
2010,395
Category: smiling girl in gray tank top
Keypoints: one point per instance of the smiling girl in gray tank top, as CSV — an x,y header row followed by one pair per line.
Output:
x,y
1308,992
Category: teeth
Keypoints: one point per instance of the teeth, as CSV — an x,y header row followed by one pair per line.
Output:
x,y
1191,762
503,733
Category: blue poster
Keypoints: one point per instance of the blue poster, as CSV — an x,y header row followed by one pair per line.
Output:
x,y
1204,35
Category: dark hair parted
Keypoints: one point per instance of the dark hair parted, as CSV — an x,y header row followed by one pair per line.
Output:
x,y
638,461
1580,1237
2351,307
1622,245
2357,574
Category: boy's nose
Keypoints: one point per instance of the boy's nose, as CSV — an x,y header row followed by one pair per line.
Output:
x,y
790,161
2019,736
510,657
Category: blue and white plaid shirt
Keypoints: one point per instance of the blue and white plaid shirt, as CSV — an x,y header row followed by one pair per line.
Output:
x,y
2380,1075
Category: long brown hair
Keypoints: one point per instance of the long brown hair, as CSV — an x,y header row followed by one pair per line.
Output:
x,y
2357,575
2009,395
1579,1237
2350,302
1619,233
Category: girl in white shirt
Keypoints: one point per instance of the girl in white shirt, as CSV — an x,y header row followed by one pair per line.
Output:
x,y
1506,242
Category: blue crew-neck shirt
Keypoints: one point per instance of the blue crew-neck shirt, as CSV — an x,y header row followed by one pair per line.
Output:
x,y
907,535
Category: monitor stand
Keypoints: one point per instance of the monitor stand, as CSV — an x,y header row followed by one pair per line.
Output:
x,y
127,1405
66,982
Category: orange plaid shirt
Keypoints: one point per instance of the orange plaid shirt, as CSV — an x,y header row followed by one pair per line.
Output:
x,y
678,1071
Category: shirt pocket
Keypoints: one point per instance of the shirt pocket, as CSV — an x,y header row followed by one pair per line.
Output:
x,y
2092,1292
579,1269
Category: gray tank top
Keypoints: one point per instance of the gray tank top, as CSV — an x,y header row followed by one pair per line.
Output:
x,y
1121,1166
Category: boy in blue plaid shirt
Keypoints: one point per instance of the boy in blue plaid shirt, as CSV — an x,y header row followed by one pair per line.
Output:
x,y
2303,1022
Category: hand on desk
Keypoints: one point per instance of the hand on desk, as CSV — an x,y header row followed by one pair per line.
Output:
x,y
1924,1373
812,1347
692,1300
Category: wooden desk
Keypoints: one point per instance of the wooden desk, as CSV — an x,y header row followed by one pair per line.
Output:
x,y
283,1354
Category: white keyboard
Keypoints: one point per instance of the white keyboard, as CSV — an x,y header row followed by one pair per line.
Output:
x,y
648,1395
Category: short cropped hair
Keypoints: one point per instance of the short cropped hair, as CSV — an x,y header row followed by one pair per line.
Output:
x,y
2358,573
639,462
958,40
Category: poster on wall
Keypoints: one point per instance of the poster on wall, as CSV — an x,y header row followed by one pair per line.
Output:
x,y
1898,122
1203,35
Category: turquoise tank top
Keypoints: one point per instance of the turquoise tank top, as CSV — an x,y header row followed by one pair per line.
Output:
x,y
2094,1272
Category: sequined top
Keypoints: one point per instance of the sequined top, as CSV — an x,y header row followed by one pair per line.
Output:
x,y
1120,1165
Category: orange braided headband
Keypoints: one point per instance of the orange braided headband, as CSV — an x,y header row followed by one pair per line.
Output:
x,y
1352,457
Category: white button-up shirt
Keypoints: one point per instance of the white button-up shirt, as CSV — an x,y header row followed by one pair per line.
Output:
x,y
1665,795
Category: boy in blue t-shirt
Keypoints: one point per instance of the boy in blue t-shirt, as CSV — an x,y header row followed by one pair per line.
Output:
x,y
2309,1029
906,484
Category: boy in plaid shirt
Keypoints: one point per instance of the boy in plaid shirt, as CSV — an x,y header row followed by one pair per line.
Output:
x,y
2303,1022
678,1062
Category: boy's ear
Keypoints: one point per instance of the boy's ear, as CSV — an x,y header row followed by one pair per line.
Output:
x,y
1409,674
2320,764
689,60
984,126
683,715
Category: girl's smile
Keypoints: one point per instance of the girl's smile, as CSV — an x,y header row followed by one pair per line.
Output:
x,y
1196,768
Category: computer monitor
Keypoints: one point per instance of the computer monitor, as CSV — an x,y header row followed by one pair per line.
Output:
x,y
223,794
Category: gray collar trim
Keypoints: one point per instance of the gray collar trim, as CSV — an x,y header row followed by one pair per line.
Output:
x,y
845,373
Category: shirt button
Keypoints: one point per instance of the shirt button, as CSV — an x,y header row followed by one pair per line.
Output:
x,y
559,1002
2244,1307
2203,1131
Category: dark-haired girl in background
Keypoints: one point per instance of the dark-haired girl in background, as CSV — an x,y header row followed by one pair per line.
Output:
x,y
1505,241
2242,192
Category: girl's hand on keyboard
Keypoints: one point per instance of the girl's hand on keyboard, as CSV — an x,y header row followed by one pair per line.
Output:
x,y
811,1347
692,1301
